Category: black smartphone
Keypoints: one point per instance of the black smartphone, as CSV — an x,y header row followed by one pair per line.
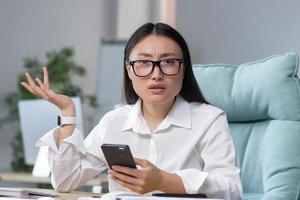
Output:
x,y
118,154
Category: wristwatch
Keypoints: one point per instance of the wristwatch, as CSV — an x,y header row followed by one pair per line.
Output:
x,y
61,120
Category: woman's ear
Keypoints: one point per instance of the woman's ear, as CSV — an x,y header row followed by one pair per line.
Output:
x,y
129,71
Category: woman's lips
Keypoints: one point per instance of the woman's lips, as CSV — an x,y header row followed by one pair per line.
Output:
x,y
156,88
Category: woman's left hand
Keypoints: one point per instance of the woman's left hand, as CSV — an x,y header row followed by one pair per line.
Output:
x,y
146,179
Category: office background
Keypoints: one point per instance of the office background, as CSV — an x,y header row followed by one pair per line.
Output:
x,y
228,31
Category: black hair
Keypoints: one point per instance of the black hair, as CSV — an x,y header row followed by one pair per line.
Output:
x,y
190,90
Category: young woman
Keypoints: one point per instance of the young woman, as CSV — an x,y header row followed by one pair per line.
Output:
x,y
180,143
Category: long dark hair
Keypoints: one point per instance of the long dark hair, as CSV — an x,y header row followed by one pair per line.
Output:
x,y
190,90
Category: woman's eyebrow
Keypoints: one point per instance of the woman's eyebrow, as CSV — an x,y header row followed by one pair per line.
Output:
x,y
163,55
144,54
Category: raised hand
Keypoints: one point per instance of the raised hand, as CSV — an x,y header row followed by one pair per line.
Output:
x,y
42,89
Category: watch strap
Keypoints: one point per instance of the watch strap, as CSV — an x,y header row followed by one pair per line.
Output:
x,y
61,120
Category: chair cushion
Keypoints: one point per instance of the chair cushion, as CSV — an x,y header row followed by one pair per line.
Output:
x,y
253,196
255,90
267,152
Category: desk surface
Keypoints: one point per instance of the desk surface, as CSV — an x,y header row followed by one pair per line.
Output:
x,y
34,193
28,178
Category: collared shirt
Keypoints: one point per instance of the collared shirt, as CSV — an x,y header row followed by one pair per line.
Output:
x,y
193,141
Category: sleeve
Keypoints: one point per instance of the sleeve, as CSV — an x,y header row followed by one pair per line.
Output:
x,y
76,161
219,177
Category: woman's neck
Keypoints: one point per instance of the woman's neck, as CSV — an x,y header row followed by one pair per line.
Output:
x,y
155,114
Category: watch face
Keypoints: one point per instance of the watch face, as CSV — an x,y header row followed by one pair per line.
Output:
x,y
58,120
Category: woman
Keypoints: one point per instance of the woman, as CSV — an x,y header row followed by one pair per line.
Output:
x,y
180,143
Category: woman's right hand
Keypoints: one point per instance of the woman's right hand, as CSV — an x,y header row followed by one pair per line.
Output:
x,y
42,89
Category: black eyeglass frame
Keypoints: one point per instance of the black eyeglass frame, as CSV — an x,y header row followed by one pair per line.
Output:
x,y
155,63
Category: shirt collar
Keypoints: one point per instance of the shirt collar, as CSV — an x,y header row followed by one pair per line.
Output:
x,y
134,116
179,115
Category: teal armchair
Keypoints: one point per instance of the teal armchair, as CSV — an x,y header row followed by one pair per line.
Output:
x,y
262,103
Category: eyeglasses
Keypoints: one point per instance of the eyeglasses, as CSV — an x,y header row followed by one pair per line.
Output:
x,y
143,68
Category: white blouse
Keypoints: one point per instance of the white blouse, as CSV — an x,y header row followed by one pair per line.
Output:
x,y
193,141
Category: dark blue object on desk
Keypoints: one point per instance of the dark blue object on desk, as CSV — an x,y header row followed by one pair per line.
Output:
x,y
199,195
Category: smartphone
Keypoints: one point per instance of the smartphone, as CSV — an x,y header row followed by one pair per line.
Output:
x,y
118,154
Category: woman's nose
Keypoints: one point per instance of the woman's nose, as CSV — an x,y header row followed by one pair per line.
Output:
x,y
157,74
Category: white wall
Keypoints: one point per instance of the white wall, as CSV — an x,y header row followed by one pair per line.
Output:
x,y
133,13
235,31
32,27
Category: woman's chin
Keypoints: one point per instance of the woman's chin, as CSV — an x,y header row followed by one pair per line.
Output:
x,y
159,99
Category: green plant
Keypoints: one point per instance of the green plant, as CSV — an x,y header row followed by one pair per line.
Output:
x,y
61,66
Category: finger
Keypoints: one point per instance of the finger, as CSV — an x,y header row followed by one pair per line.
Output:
x,y
133,188
30,80
41,93
42,86
36,90
46,77
48,92
141,162
28,87
32,84
127,170
40,90
125,178
33,88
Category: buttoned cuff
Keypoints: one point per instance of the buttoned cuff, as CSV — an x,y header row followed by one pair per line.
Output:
x,y
76,140
49,139
192,179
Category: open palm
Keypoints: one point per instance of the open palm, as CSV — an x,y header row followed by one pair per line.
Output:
x,y
42,89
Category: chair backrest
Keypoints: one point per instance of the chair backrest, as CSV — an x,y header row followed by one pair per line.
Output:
x,y
262,103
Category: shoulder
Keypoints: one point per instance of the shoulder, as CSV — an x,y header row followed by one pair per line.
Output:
x,y
120,112
210,117
206,113
205,109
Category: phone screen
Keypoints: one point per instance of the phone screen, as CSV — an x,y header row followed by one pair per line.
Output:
x,y
118,154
